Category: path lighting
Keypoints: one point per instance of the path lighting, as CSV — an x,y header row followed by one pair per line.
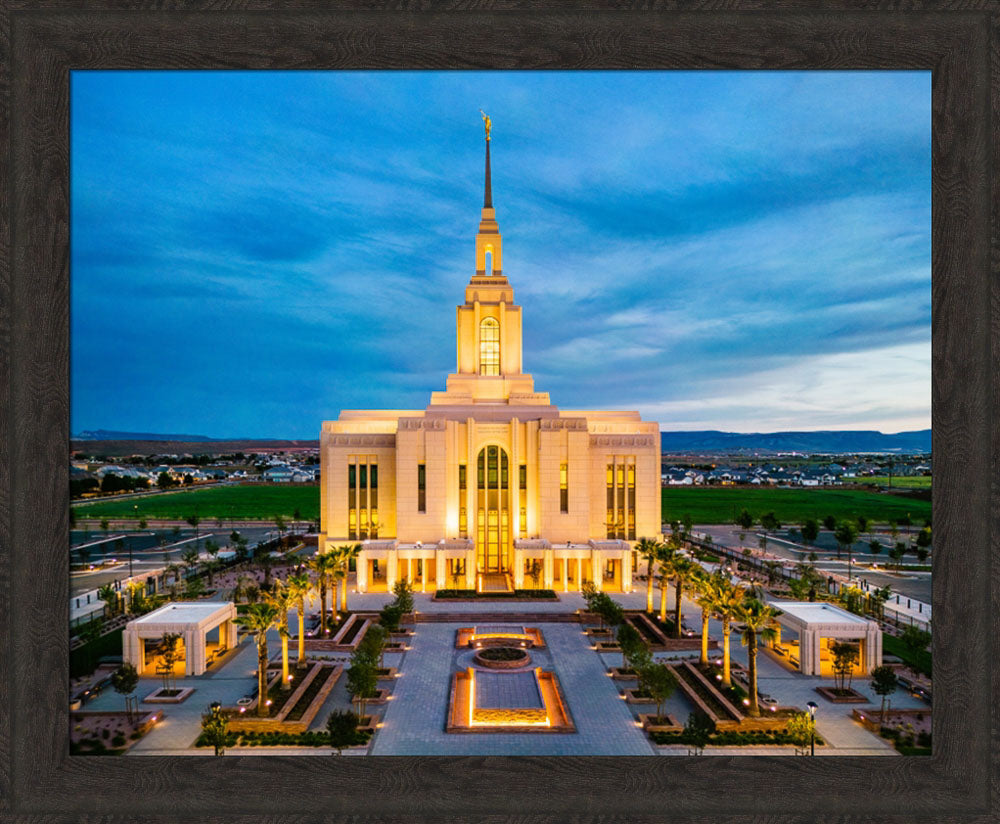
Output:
x,y
812,729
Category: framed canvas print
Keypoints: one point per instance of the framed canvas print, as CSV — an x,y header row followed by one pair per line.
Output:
x,y
659,486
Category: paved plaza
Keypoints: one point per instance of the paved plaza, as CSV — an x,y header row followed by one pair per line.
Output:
x,y
413,720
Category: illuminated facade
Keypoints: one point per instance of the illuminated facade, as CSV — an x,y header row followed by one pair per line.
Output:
x,y
491,483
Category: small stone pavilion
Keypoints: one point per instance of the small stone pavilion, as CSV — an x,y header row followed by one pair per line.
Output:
x,y
815,626
193,621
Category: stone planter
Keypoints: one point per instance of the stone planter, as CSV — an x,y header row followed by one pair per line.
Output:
x,y
671,725
854,697
381,696
618,674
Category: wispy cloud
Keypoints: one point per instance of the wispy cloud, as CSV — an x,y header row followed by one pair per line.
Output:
x,y
255,251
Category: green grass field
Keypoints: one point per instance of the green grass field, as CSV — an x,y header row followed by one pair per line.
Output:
x,y
720,505
240,502
707,505
914,482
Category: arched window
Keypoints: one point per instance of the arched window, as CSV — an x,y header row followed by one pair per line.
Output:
x,y
489,347
488,261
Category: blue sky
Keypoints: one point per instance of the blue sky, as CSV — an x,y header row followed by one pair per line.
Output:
x,y
254,251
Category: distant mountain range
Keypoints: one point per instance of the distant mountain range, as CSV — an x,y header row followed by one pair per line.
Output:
x,y
110,435
844,441
670,442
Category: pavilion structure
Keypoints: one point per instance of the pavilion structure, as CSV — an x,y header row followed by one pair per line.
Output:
x,y
810,629
193,621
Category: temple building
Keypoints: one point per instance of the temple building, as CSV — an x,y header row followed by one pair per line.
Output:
x,y
490,486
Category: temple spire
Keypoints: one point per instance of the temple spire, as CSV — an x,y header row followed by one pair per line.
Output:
x,y
488,196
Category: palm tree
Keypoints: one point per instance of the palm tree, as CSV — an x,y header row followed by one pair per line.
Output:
x,y
727,602
298,587
323,564
280,597
109,595
258,620
345,555
706,586
758,621
648,548
684,570
190,558
665,557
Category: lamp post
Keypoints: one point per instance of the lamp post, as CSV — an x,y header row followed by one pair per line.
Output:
x,y
813,706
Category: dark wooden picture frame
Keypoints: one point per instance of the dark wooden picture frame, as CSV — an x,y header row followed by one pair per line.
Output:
x,y
43,40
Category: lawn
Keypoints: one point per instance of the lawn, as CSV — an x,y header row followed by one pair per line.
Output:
x,y
253,501
914,482
721,505
920,660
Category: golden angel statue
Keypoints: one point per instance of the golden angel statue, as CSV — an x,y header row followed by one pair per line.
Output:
x,y
488,122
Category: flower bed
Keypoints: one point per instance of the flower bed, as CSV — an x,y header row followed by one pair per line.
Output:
x,y
730,738
253,738
108,733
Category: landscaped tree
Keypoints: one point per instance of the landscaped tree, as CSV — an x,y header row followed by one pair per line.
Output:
x,y
687,522
862,524
684,570
801,729
215,728
403,591
697,731
611,612
845,534
845,656
897,552
323,564
194,520
279,525
659,683
362,679
170,652
727,601
758,622
111,598
884,683
299,586
809,531
390,616
924,538
282,600
770,523
125,679
258,620
164,481
744,520
665,557
342,727
915,639
707,587
195,589
190,558
143,523
878,598
648,549
105,525
874,546
373,642
635,653
346,554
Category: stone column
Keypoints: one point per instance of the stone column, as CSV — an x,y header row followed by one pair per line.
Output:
x,y
470,569
518,569
194,653
230,634
626,566
132,650
391,569
597,569
547,566
439,571
362,571
565,574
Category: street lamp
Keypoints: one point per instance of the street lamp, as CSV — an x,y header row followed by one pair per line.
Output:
x,y
135,509
812,727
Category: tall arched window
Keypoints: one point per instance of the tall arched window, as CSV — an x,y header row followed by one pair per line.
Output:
x,y
489,347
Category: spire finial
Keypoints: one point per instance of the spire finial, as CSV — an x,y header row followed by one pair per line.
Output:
x,y
488,196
